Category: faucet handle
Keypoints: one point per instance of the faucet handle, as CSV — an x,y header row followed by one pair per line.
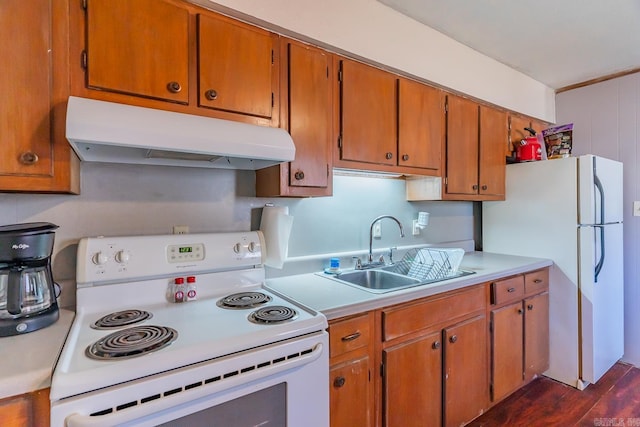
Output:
x,y
358,262
391,249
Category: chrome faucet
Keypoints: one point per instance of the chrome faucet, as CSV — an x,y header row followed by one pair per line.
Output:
x,y
370,258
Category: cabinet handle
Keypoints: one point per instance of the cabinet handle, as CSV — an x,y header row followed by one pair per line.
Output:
x,y
299,175
339,382
174,87
475,186
351,337
484,187
29,158
453,339
520,311
405,157
537,281
530,307
389,155
511,290
211,95
435,345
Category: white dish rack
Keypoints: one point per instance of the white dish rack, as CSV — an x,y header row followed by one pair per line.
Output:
x,y
430,264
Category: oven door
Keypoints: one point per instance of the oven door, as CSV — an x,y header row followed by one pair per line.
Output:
x,y
281,385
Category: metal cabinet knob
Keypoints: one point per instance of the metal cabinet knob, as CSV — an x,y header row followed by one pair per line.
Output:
x,y
453,339
29,158
211,95
530,307
389,155
484,187
339,382
475,186
405,157
435,345
299,175
520,311
174,87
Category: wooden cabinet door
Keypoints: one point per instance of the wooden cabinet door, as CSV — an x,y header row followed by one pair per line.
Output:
x,y
421,123
309,115
35,155
138,47
368,126
536,335
26,410
493,133
507,347
25,84
462,146
351,394
236,70
413,383
465,371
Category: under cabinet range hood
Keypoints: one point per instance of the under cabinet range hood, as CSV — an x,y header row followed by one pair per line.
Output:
x,y
109,132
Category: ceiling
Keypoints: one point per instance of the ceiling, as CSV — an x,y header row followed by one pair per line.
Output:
x,y
556,42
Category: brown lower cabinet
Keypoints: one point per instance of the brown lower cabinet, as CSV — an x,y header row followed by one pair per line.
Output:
x,y
442,360
25,410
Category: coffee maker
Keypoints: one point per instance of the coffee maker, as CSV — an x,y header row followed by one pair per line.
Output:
x,y
27,292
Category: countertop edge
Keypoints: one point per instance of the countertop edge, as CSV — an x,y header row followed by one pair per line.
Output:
x,y
33,373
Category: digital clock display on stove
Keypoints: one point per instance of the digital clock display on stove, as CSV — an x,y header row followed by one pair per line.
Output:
x,y
185,249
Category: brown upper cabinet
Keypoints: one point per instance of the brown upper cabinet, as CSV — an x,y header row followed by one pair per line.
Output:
x,y
139,48
421,126
387,123
35,154
306,82
475,151
172,55
368,119
236,67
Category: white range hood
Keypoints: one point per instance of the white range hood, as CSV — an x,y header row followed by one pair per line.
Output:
x,y
109,132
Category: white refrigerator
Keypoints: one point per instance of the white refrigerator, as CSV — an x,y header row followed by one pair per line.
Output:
x,y
569,210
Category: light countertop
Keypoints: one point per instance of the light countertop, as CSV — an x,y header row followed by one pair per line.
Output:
x,y
334,299
28,360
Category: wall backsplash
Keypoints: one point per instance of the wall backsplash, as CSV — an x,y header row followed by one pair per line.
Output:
x,y
125,200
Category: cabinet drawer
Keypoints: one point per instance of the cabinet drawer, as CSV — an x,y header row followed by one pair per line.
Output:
x,y
536,281
348,335
507,290
406,319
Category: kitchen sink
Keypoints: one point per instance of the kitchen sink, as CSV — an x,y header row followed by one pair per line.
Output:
x,y
380,280
377,279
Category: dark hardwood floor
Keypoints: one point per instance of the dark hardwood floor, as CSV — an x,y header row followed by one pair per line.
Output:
x,y
613,401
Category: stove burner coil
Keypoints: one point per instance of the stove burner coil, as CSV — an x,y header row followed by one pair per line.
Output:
x,y
120,319
244,300
272,315
132,342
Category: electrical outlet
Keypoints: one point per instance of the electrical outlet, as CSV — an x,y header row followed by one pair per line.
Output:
x,y
180,229
416,228
377,230
636,208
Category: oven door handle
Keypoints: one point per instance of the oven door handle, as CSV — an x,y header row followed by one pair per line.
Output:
x,y
137,412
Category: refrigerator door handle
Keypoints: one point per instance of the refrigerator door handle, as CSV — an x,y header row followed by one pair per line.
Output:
x,y
600,262
600,188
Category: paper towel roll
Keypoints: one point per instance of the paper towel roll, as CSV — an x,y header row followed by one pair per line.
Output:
x,y
275,225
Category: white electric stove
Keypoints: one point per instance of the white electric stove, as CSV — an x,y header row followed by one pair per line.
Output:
x,y
135,356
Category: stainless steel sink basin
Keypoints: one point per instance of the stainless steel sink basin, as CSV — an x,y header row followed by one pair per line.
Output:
x,y
377,279
380,280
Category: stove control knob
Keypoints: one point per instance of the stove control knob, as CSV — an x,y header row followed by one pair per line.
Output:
x,y
252,247
237,247
99,258
122,257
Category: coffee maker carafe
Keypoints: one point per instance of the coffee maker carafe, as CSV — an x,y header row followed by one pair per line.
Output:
x,y
27,292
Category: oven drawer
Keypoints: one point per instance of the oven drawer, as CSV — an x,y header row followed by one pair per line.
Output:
x,y
349,334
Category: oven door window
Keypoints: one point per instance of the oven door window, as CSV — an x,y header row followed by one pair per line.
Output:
x,y
266,407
